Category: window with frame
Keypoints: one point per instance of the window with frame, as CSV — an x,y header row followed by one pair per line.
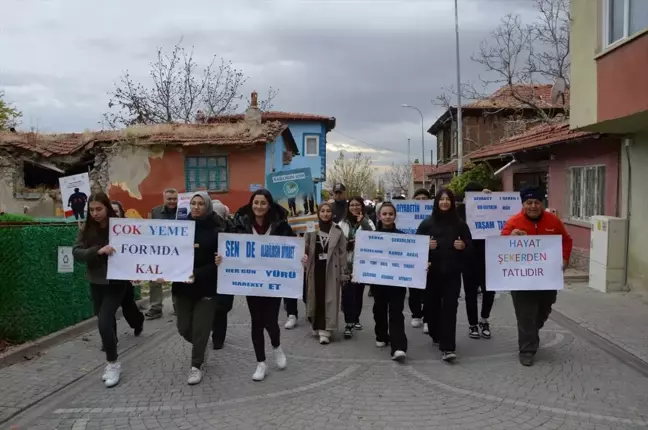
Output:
x,y
623,18
206,173
587,192
311,145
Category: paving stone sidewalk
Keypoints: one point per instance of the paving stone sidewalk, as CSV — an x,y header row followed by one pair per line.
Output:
x,y
621,318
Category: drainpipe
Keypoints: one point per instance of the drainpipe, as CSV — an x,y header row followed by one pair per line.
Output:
x,y
627,142
506,166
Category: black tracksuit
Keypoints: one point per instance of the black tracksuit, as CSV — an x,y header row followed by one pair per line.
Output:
x,y
444,276
389,302
264,311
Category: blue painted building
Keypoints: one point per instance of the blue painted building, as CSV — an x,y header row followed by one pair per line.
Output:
x,y
309,133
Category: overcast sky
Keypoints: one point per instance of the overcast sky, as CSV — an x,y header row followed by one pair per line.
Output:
x,y
356,60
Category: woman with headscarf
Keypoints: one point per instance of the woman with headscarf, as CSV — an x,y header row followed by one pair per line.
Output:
x,y
195,298
262,216
325,273
224,302
352,293
450,245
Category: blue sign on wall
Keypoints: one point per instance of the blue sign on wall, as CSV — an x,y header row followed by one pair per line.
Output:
x,y
293,189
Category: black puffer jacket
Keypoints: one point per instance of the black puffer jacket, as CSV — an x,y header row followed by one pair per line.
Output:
x,y
278,217
205,269
445,230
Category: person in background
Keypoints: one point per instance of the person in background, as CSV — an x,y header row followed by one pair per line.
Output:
x,y
450,244
195,298
223,302
417,296
474,277
133,316
389,301
339,203
532,308
93,249
262,216
166,211
327,256
352,293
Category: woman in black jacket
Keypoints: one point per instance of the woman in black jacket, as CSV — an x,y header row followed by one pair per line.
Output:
x,y
389,301
450,243
195,299
262,216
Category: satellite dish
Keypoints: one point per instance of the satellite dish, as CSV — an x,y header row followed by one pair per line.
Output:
x,y
558,91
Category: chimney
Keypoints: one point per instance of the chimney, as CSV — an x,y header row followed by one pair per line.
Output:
x,y
253,113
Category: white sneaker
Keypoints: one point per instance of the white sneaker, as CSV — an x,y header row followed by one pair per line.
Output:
x,y
291,323
399,355
260,372
281,359
195,376
324,340
417,322
426,329
111,374
381,344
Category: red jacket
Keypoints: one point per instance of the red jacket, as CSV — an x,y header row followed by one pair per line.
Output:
x,y
547,224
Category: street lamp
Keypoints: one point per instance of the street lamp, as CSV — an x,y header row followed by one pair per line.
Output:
x,y
422,138
459,113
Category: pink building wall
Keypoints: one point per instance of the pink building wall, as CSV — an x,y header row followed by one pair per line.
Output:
x,y
591,152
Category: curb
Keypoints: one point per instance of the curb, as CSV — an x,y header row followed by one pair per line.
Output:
x,y
28,350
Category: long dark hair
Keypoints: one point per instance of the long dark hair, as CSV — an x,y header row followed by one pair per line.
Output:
x,y
349,217
451,213
122,213
379,223
275,211
91,229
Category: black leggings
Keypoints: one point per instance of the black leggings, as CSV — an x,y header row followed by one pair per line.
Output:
x,y
264,312
442,299
106,299
352,298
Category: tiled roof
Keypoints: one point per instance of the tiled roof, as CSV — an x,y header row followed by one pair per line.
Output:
x,y
237,134
505,97
541,135
418,170
450,167
277,116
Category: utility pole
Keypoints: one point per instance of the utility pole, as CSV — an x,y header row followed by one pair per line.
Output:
x,y
459,113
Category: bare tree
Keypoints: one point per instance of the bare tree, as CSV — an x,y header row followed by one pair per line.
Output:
x,y
9,116
399,178
179,91
516,55
356,173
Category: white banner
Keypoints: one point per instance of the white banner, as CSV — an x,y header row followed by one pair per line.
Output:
x,y
268,266
151,249
524,263
184,203
390,259
486,214
410,213
75,191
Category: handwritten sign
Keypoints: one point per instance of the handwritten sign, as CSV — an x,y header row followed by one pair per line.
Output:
x,y
410,213
267,266
486,214
390,259
524,263
147,250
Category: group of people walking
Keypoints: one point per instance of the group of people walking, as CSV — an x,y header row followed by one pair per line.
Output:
x,y
328,283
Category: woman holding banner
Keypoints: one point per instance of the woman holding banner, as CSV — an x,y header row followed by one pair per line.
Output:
x,y
92,248
416,296
262,216
450,243
196,303
352,293
327,257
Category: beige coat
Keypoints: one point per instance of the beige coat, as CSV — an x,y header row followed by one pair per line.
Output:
x,y
335,264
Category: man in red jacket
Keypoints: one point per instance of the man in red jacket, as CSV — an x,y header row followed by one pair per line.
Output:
x,y
532,308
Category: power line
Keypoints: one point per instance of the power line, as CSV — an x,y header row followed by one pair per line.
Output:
x,y
371,145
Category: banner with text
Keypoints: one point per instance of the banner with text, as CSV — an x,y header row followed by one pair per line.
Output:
x,y
486,213
268,266
410,213
524,263
390,259
75,191
184,205
147,250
